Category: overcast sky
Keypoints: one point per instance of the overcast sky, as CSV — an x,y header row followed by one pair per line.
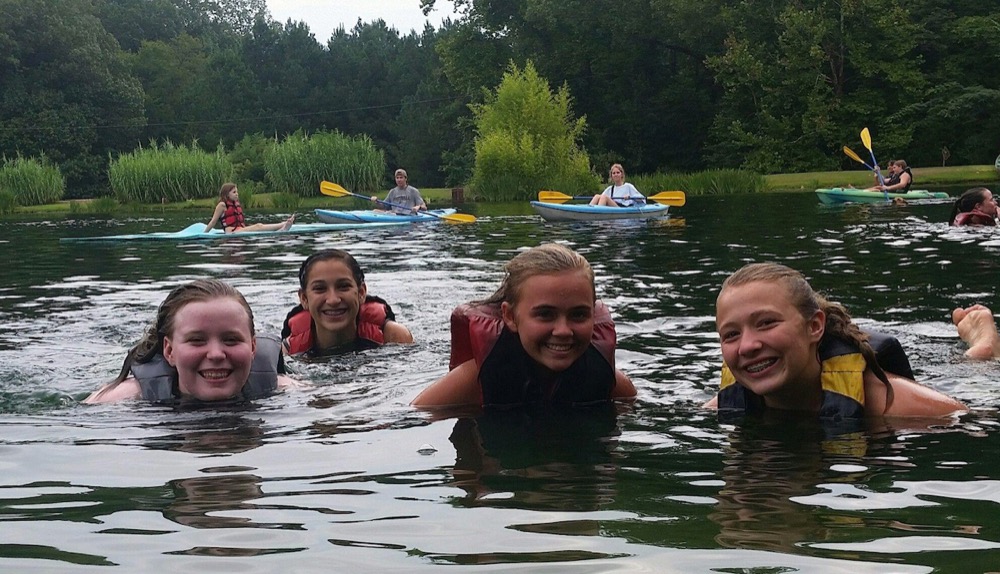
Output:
x,y
324,16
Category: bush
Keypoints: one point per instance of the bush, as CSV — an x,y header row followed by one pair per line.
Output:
x,y
32,181
299,163
8,203
527,141
285,201
248,159
175,173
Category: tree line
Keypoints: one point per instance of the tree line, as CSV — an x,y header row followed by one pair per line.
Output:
x,y
663,85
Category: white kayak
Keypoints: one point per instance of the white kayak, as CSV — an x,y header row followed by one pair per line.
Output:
x,y
585,212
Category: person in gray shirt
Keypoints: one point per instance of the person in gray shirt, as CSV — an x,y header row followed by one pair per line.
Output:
x,y
405,198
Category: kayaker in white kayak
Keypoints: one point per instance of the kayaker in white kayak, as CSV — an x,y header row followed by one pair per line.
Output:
x,y
405,198
620,193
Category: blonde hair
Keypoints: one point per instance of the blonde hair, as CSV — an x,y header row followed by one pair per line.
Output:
x,y
613,166
545,259
807,302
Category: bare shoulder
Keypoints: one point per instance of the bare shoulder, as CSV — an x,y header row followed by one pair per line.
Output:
x,y
909,399
460,386
624,389
114,392
397,333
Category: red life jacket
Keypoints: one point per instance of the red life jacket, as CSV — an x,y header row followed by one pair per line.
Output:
x,y
509,377
297,332
233,216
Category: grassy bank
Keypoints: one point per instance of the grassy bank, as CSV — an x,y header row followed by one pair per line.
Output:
x,y
925,177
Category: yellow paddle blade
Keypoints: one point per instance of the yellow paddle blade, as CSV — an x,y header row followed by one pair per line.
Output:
x,y
674,198
332,189
866,138
553,197
850,153
459,218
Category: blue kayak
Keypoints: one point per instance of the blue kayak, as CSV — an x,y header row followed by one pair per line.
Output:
x,y
196,231
585,212
370,216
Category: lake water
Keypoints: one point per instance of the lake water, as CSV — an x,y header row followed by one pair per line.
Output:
x,y
347,477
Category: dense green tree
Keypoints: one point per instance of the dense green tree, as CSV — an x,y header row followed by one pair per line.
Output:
x,y
66,92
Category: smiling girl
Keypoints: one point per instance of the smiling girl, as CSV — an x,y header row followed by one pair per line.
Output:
x,y
202,347
335,313
542,337
785,347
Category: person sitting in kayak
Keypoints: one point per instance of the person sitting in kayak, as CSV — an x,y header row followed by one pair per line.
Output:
x,y
542,338
892,179
786,348
976,206
335,314
405,198
202,347
620,193
900,180
230,213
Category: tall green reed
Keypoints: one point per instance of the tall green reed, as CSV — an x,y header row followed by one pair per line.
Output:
x,y
32,181
710,182
168,172
300,162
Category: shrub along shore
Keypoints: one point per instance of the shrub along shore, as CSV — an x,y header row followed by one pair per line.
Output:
x,y
929,177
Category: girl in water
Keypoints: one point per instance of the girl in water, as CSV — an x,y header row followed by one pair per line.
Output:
x,y
203,347
335,314
976,206
230,213
542,337
786,347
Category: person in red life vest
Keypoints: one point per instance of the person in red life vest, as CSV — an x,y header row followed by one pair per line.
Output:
x,y
230,213
785,348
976,206
202,348
335,314
541,338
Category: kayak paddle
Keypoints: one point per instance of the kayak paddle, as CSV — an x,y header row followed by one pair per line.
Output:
x,y
675,198
850,153
866,138
334,190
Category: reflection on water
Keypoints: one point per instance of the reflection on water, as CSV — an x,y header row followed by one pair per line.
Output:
x,y
346,476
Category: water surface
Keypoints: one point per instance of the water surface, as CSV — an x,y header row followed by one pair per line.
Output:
x,y
347,477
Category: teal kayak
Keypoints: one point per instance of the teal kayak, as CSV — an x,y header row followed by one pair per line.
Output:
x,y
850,195
196,231
585,212
371,216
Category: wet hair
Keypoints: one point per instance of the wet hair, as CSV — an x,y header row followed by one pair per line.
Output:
x,y
224,191
196,291
808,301
967,202
613,166
331,255
545,259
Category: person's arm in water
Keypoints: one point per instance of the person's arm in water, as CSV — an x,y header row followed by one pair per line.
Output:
x,y
460,386
114,392
397,333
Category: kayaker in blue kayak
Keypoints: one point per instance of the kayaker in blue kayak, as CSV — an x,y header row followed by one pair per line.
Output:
x,y
335,313
404,198
230,213
202,347
976,206
620,193
542,338
786,348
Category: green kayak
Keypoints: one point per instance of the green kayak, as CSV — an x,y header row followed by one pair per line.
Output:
x,y
850,195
